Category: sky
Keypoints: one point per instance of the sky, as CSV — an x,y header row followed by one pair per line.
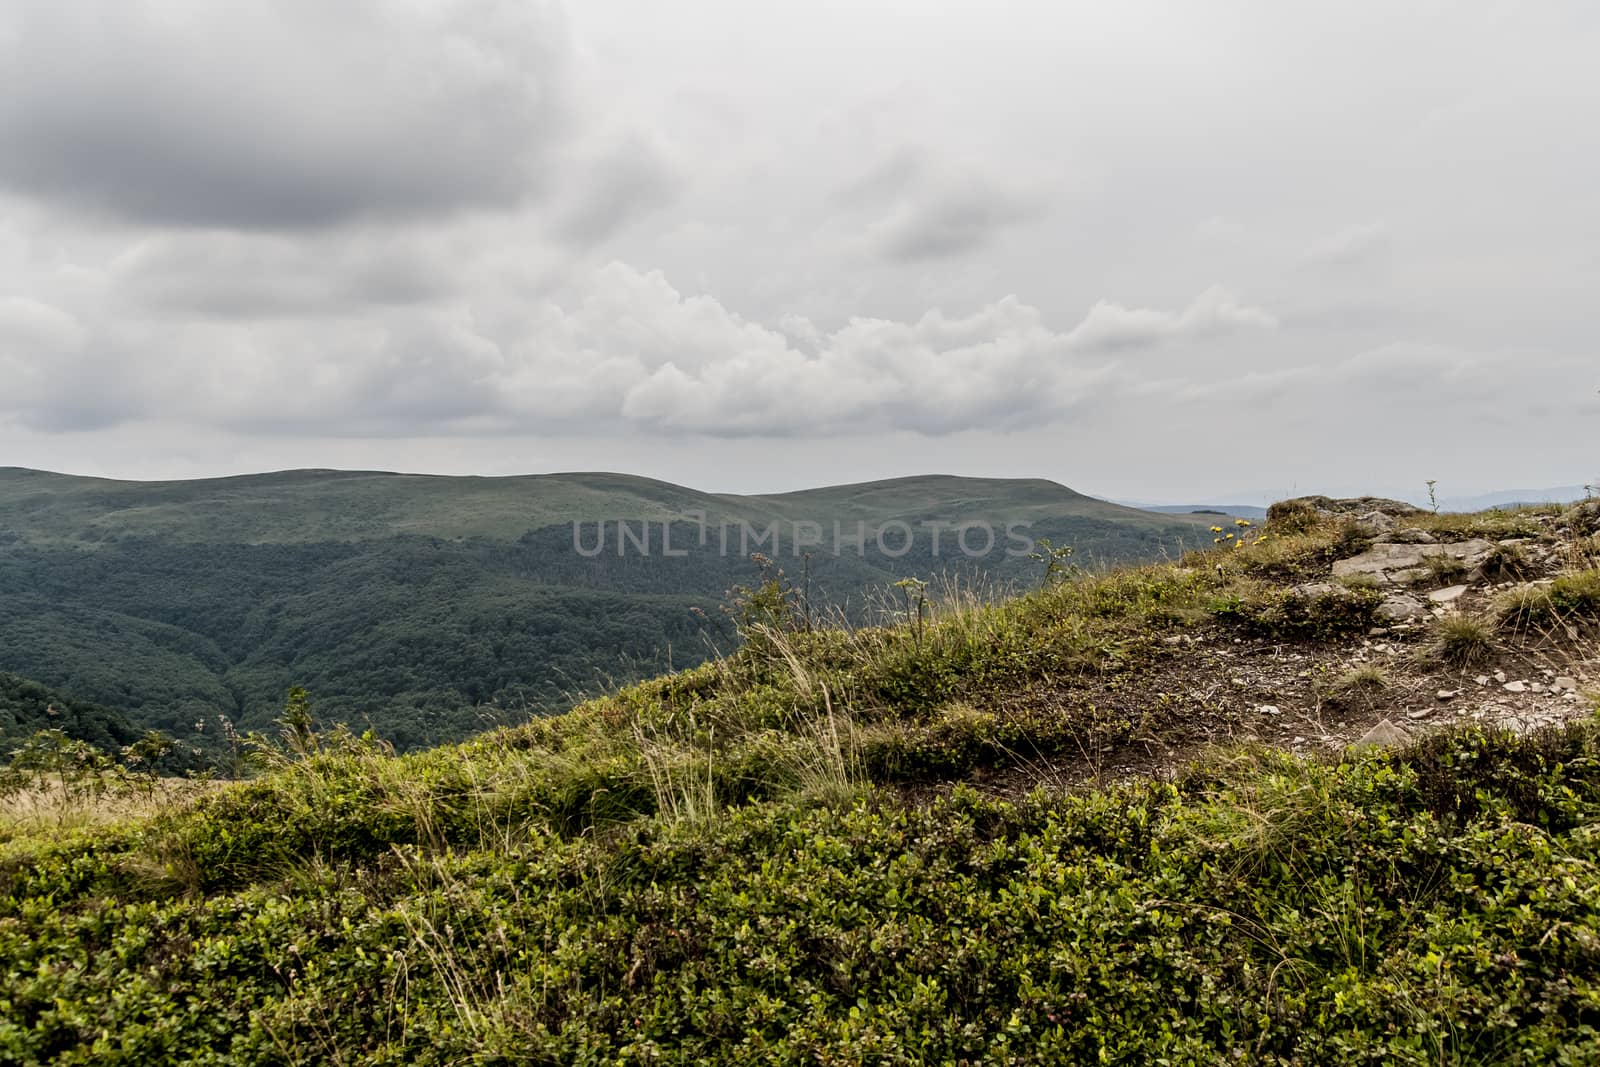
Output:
x,y
1153,251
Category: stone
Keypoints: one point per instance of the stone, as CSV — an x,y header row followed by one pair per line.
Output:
x,y
1447,694
1582,520
1404,563
1448,594
1384,735
1482,679
1400,607
1499,676
1515,687
1269,709
1409,535
1420,713
1565,683
1375,524
1342,508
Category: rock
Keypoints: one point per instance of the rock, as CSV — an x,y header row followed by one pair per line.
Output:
x,y
1515,687
1342,507
1499,676
1537,687
1582,520
1447,694
1384,735
1565,683
1448,594
1404,563
1268,709
1420,713
1375,524
1400,607
1482,679
1409,535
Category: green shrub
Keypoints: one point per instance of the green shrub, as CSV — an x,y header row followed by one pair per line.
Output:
x,y
1462,640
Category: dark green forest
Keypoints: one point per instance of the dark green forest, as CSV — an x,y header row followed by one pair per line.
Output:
x,y
26,707
181,603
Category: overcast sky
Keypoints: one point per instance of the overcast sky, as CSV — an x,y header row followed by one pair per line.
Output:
x,y
1152,251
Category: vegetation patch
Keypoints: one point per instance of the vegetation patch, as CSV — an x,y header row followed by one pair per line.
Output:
x,y
1433,906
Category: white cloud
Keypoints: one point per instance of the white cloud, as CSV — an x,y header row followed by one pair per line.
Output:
x,y
1350,246
1111,327
615,347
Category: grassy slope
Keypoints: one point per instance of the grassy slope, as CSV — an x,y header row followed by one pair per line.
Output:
x,y
773,858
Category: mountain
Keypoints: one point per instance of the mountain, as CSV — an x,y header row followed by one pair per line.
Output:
x,y
1232,511
429,606
1503,498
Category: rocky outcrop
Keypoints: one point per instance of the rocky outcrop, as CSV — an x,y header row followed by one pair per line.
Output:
x,y
1400,607
1582,520
1359,507
1401,563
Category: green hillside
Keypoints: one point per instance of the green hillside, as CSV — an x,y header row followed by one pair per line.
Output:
x,y
27,707
1132,818
429,607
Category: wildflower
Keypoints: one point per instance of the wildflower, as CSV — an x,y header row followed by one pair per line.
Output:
x,y
1216,529
1241,522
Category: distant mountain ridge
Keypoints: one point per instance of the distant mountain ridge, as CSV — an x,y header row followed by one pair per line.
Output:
x,y
364,504
423,604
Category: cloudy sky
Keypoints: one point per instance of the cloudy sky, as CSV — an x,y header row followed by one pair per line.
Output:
x,y
1151,250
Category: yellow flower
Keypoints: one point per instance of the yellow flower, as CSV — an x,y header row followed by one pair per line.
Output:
x,y
1230,537
1241,522
1216,529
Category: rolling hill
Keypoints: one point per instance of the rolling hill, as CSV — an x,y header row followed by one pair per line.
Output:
x,y
428,606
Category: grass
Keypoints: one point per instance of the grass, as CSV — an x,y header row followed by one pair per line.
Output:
x,y
53,809
1432,905
1572,598
778,856
1462,640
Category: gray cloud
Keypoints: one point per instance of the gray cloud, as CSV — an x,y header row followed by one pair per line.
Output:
x,y
1350,246
385,225
952,222
926,208
626,178
280,113
249,275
